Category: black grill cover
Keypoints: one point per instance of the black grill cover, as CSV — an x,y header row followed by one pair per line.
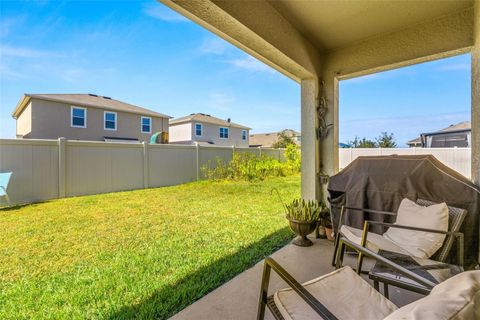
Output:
x,y
381,182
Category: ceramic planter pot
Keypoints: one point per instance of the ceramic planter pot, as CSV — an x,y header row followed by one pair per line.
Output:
x,y
329,233
302,229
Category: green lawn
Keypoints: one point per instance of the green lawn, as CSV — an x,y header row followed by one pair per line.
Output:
x,y
136,254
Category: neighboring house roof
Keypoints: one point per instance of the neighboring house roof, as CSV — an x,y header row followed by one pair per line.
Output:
x,y
415,141
206,118
462,126
459,127
269,139
87,100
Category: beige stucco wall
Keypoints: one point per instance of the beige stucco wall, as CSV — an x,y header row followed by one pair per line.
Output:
x,y
180,132
51,120
210,133
24,122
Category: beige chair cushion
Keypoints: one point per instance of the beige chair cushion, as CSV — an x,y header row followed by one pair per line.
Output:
x,y
458,298
417,243
374,240
342,292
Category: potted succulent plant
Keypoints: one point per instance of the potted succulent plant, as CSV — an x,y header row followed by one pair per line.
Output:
x,y
303,216
325,223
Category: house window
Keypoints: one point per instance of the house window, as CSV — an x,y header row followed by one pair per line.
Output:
x,y
110,120
224,133
146,125
244,135
78,117
198,129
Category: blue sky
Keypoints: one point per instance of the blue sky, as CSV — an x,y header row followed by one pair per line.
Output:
x,y
143,53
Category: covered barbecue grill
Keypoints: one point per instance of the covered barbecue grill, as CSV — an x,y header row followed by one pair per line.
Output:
x,y
381,182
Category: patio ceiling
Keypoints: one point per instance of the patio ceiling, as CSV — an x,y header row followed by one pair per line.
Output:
x,y
334,24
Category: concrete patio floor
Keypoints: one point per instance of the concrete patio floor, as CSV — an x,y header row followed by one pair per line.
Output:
x,y
238,298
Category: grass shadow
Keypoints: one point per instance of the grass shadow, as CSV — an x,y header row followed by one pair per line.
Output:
x,y
171,299
16,206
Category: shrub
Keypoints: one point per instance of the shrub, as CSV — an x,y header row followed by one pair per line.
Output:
x,y
249,166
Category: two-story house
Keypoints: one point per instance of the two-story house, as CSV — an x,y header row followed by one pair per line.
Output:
x,y
85,117
203,128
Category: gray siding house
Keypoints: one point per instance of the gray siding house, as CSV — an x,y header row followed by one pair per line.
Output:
x,y
456,135
85,117
204,129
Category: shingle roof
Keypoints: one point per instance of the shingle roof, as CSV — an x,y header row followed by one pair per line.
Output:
x,y
465,125
269,139
87,100
415,141
206,118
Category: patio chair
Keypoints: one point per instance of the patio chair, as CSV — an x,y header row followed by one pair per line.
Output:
x,y
4,179
377,242
342,294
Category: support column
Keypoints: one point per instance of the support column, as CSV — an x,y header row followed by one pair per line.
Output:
x,y
309,142
475,137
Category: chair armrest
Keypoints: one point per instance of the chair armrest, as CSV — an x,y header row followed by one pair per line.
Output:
x,y
316,305
366,210
407,273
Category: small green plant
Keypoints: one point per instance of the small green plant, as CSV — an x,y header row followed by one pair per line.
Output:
x,y
304,210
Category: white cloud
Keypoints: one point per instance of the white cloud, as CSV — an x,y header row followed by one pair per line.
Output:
x,y
215,46
220,101
455,67
251,64
162,12
7,73
7,24
19,52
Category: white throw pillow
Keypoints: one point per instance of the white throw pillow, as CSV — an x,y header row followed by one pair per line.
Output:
x,y
418,243
458,298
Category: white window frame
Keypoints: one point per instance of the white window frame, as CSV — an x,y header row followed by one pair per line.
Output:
x,y
244,132
201,129
105,121
71,117
141,124
227,131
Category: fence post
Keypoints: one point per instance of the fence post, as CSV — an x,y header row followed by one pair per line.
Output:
x,y
233,151
145,165
197,160
61,167
260,151
455,165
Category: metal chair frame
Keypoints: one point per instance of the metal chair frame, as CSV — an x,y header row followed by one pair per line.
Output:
x,y
267,301
456,216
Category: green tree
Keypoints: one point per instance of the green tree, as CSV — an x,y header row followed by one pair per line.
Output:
x,y
362,143
386,140
284,140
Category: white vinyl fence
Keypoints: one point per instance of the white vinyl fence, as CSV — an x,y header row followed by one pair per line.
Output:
x,y
49,169
458,159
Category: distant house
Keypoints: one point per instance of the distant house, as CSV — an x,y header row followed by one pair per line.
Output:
x,y
204,129
85,117
269,139
417,142
458,135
